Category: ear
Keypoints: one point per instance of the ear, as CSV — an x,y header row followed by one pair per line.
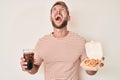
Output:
x,y
50,18
68,18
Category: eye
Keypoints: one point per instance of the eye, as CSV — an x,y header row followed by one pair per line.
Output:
x,y
62,9
54,9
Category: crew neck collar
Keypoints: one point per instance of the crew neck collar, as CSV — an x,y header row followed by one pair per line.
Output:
x,y
60,37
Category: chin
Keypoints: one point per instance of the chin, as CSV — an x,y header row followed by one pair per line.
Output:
x,y
89,72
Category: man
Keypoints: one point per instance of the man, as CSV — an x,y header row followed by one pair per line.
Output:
x,y
61,51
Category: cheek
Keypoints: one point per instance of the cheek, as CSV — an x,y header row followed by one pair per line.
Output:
x,y
52,16
64,14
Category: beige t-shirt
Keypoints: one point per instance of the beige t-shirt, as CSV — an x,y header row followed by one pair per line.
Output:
x,y
61,56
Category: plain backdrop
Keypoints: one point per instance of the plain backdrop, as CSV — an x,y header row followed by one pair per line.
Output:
x,y
23,22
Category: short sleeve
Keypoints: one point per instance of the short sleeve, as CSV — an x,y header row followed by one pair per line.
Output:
x,y
83,55
37,56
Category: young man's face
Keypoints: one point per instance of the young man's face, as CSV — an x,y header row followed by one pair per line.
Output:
x,y
59,16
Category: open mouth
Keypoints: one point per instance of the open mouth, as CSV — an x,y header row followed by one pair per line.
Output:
x,y
58,18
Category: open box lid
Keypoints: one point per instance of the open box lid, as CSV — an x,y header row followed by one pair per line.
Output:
x,y
94,50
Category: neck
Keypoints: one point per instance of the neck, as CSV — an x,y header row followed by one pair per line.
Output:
x,y
59,33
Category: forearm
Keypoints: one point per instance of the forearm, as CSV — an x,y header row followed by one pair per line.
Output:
x,y
34,69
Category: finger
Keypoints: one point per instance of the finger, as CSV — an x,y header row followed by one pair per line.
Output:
x,y
102,64
23,65
22,62
23,59
83,58
24,68
103,58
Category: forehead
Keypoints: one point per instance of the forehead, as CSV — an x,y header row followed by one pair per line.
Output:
x,y
58,6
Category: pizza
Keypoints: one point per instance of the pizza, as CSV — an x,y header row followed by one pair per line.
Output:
x,y
91,64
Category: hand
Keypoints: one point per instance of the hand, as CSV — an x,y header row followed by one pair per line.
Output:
x,y
102,64
83,58
91,72
23,64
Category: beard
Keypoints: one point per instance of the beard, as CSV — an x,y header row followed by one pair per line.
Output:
x,y
64,24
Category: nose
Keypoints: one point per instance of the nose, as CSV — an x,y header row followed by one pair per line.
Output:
x,y
58,11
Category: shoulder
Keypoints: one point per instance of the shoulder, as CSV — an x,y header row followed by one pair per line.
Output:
x,y
44,38
77,36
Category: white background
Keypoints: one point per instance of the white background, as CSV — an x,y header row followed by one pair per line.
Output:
x,y
23,22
